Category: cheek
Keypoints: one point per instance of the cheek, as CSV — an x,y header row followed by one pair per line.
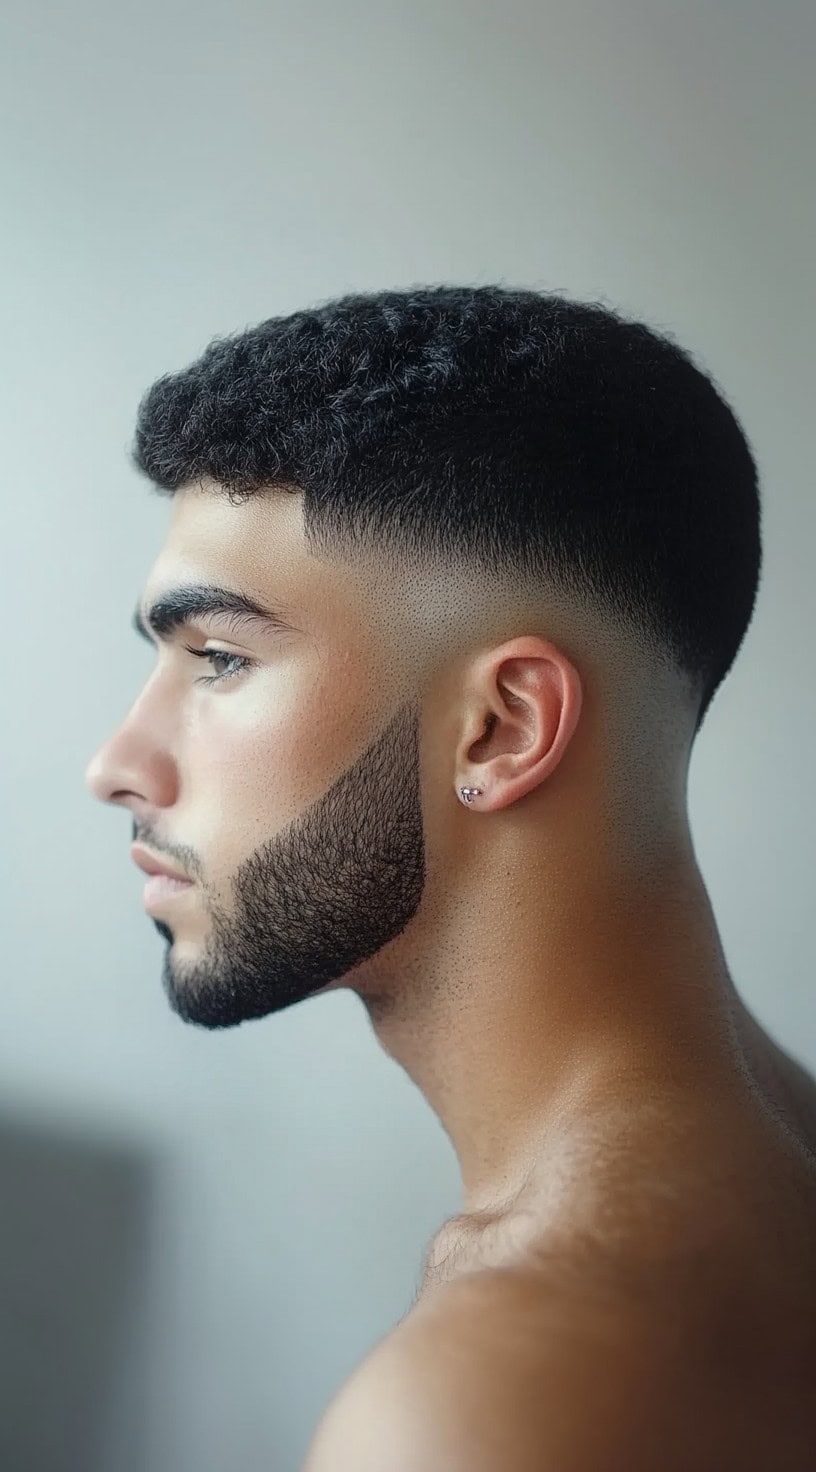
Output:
x,y
266,754
254,771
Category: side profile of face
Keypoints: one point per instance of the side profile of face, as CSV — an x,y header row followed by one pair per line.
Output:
x,y
305,779
289,792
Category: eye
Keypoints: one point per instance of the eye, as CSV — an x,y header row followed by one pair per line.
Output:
x,y
236,663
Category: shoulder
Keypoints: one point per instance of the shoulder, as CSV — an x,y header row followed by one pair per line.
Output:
x,y
496,1372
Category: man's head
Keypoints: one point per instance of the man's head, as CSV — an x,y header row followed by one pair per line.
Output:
x,y
498,529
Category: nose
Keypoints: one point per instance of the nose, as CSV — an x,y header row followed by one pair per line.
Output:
x,y
130,771
115,771
96,779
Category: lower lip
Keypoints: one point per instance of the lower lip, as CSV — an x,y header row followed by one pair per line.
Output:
x,y
161,887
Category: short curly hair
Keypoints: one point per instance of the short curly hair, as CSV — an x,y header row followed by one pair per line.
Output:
x,y
508,431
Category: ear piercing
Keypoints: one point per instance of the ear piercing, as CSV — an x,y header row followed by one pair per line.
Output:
x,y
468,793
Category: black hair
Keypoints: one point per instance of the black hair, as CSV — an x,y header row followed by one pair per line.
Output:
x,y
548,441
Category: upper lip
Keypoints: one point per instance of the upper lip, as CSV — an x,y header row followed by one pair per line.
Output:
x,y
151,865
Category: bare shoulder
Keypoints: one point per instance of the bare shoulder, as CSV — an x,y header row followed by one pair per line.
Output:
x,y
493,1373
512,1370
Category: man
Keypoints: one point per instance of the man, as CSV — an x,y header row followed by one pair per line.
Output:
x,y
466,567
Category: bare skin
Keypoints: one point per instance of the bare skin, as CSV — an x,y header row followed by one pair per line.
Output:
x,y
670,1289
690,1227
761,1150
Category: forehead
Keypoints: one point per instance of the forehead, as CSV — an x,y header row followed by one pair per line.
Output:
x,y
257,547
263,532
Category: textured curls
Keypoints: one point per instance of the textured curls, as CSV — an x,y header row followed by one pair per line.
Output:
x,y
513,432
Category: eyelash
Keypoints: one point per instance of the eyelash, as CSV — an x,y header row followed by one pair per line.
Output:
x,y
239,663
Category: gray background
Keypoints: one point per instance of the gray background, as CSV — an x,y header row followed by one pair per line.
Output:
x,y
202,1234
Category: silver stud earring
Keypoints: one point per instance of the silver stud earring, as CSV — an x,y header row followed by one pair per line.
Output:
x,y
468,793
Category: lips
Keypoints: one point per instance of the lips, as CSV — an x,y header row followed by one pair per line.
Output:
x,y
159,888
149,864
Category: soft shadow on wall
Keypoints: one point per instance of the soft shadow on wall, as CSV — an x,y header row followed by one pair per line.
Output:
x,y
75,1216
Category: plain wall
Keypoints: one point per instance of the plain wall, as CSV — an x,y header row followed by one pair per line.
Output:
x,y
172,172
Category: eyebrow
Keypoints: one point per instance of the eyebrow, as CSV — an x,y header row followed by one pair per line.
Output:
x,y
179,606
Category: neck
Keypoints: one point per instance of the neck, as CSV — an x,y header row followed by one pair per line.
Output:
x,y
543,1010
